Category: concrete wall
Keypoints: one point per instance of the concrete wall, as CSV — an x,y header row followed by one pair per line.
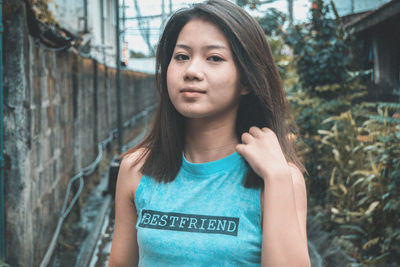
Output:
x,y
58,107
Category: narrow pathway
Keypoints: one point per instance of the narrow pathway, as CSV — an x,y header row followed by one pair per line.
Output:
x,y
103,247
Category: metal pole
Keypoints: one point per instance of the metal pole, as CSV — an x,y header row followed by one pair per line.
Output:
x,y
290,9
144,17
118,78
102,31
123,21
85,16
2,191
352,6
162,12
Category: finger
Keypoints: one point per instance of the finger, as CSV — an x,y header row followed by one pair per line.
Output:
x,y
255,131
266,130
247,138
269,132
241,149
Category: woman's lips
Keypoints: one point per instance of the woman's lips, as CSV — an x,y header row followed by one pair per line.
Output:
x,y
192,92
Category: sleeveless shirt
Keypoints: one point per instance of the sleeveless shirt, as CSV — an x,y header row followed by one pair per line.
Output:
x,y
205,217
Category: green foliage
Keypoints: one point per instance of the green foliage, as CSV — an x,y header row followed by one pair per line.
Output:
x,y
310,112
364,162
320,50
281,59
252,3
272,22
242,3
134,54
352,154
351,149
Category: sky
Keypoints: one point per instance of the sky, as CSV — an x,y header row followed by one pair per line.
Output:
x,y
133,36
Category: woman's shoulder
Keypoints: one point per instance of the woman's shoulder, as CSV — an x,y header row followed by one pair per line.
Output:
x,y
130,174
135,159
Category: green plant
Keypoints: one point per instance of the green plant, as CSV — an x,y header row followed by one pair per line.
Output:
x,y
364,179
351,149
272,22
324,86
320,50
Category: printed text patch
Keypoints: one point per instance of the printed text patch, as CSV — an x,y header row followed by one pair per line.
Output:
x,y
189,222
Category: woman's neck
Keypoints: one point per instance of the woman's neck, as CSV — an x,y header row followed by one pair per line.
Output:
x,y
208,140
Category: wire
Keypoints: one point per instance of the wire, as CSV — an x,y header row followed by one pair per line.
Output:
x,y
145,35
38,42
85,172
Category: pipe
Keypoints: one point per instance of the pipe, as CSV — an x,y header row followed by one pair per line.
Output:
x,y
290,11
352,7
118,78
2,191
102,31
85,16
123,22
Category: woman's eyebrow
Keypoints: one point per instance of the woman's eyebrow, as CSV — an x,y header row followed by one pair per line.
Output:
x,y
208,47
186,47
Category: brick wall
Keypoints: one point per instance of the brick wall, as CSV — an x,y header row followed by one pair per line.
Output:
x,y
58,107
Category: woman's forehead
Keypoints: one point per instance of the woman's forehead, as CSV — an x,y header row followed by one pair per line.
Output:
x,y
199,32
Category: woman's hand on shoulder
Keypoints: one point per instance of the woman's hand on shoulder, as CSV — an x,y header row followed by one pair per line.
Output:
x,y
261,149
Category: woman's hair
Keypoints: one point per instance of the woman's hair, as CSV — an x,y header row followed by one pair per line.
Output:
x,y
264,106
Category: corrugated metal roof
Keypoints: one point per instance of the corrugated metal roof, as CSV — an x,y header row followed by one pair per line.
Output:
x,y
347,7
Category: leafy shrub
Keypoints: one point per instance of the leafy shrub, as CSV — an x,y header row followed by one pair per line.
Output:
x,y
320,50
364,180
351,149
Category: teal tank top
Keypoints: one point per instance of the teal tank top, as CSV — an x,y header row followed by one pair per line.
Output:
x,y
205,217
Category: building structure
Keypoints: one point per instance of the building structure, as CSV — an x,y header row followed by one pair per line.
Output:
x,y
378,34
60,118
349,7
94,22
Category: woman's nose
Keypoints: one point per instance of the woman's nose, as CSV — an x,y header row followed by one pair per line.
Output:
x,y
194,70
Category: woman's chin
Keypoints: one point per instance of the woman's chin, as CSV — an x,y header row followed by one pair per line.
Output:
x,y
191,113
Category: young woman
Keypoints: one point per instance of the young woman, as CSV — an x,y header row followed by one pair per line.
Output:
x,y
216,182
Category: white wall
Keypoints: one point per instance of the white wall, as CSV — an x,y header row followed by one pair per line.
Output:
x,y
70,15
103,47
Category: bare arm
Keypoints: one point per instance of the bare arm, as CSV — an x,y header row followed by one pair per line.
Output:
x,y
284,239
284,221
124,251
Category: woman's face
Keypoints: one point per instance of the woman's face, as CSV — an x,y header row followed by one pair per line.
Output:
x,y
202,77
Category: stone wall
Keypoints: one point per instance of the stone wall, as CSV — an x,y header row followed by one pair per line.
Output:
x,y
58,107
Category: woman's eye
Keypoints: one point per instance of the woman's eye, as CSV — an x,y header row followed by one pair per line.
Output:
x,y
181,57
215,58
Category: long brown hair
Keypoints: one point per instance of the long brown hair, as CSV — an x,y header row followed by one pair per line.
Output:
x,y
264,106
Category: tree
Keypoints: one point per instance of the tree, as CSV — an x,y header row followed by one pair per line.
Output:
x,y
320,49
